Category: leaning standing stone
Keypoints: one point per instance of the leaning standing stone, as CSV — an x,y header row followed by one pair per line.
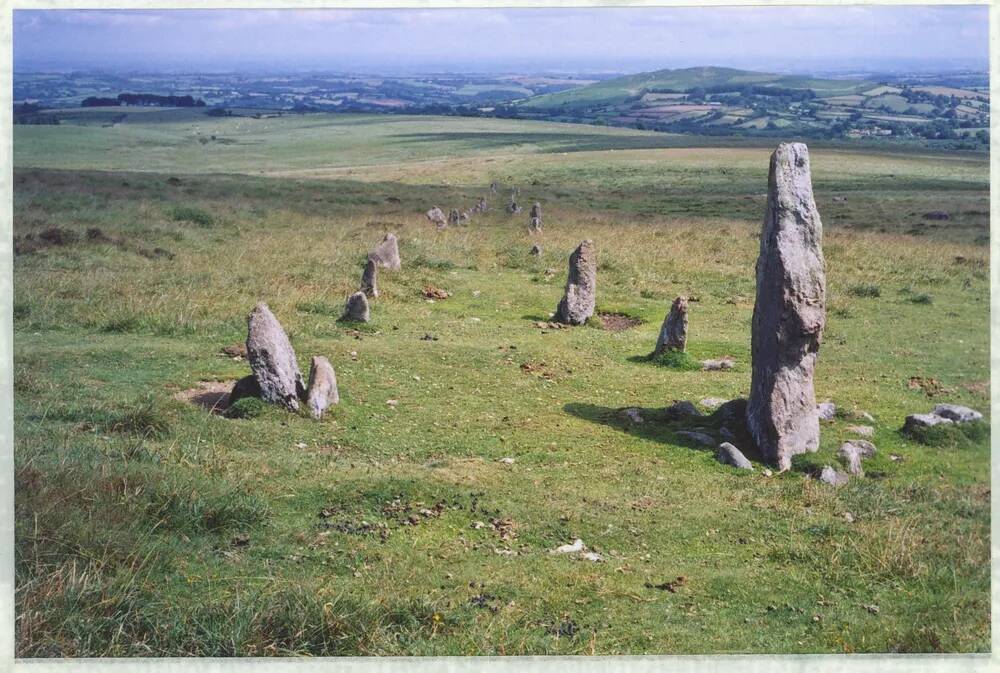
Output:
x,y
577,304
369,279
789,313
673,333
356,309
386,253
272,359
322,390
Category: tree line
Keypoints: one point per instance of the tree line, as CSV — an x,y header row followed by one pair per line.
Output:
x,y
148,99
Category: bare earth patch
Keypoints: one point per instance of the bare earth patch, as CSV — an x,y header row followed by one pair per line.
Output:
x,y
617,322
212,396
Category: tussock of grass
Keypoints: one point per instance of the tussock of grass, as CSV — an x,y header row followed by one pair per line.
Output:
x,y
679,360
150,417
192,214
954,436
866,290
247,407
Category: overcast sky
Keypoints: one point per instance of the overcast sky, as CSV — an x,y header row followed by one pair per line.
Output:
x,y
787,39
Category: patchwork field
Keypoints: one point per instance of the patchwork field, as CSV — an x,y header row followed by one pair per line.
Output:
x,y
148,526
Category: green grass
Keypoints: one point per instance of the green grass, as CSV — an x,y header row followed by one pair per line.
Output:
x,y
146,526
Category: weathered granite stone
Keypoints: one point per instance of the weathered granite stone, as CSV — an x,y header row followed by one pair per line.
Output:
x,y
916,421
454,217
720,365
356,308
437,218
272,359
861,430
369,279
322,390
386,253
577,304
833,477
536,250
697,437
789,313
673,332
853,452
826,411
957,413
727,454
680,409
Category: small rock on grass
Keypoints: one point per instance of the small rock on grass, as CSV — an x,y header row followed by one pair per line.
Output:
x,y
862,430
727,454
713,402
633,415
957,413
854,452
915,421
506,461
826,411
681,408
721,364
696,437
576,546
833,477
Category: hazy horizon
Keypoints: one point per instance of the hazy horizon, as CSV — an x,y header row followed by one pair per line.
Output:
x,y
817,40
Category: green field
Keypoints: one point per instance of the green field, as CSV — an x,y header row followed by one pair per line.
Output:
x,y
146,526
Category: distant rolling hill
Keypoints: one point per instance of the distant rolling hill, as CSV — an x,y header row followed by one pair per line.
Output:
x,y
622,89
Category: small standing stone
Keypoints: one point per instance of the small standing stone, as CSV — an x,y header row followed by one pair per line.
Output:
x,y
789,313
453,217
535,224
673,333
356,309
272,359
386,254
437,218
322,390
577,304
369,279
536,250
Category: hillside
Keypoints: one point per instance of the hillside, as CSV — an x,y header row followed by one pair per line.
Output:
x,y
724,101
621,89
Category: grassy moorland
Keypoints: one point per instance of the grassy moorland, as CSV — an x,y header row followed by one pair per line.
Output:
x,y
147,526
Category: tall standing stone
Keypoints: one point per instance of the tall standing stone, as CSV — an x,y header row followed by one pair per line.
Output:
x,y
789,313
369,279
322,390
272,359
386,253
578,302
674,332
356,309
454,217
